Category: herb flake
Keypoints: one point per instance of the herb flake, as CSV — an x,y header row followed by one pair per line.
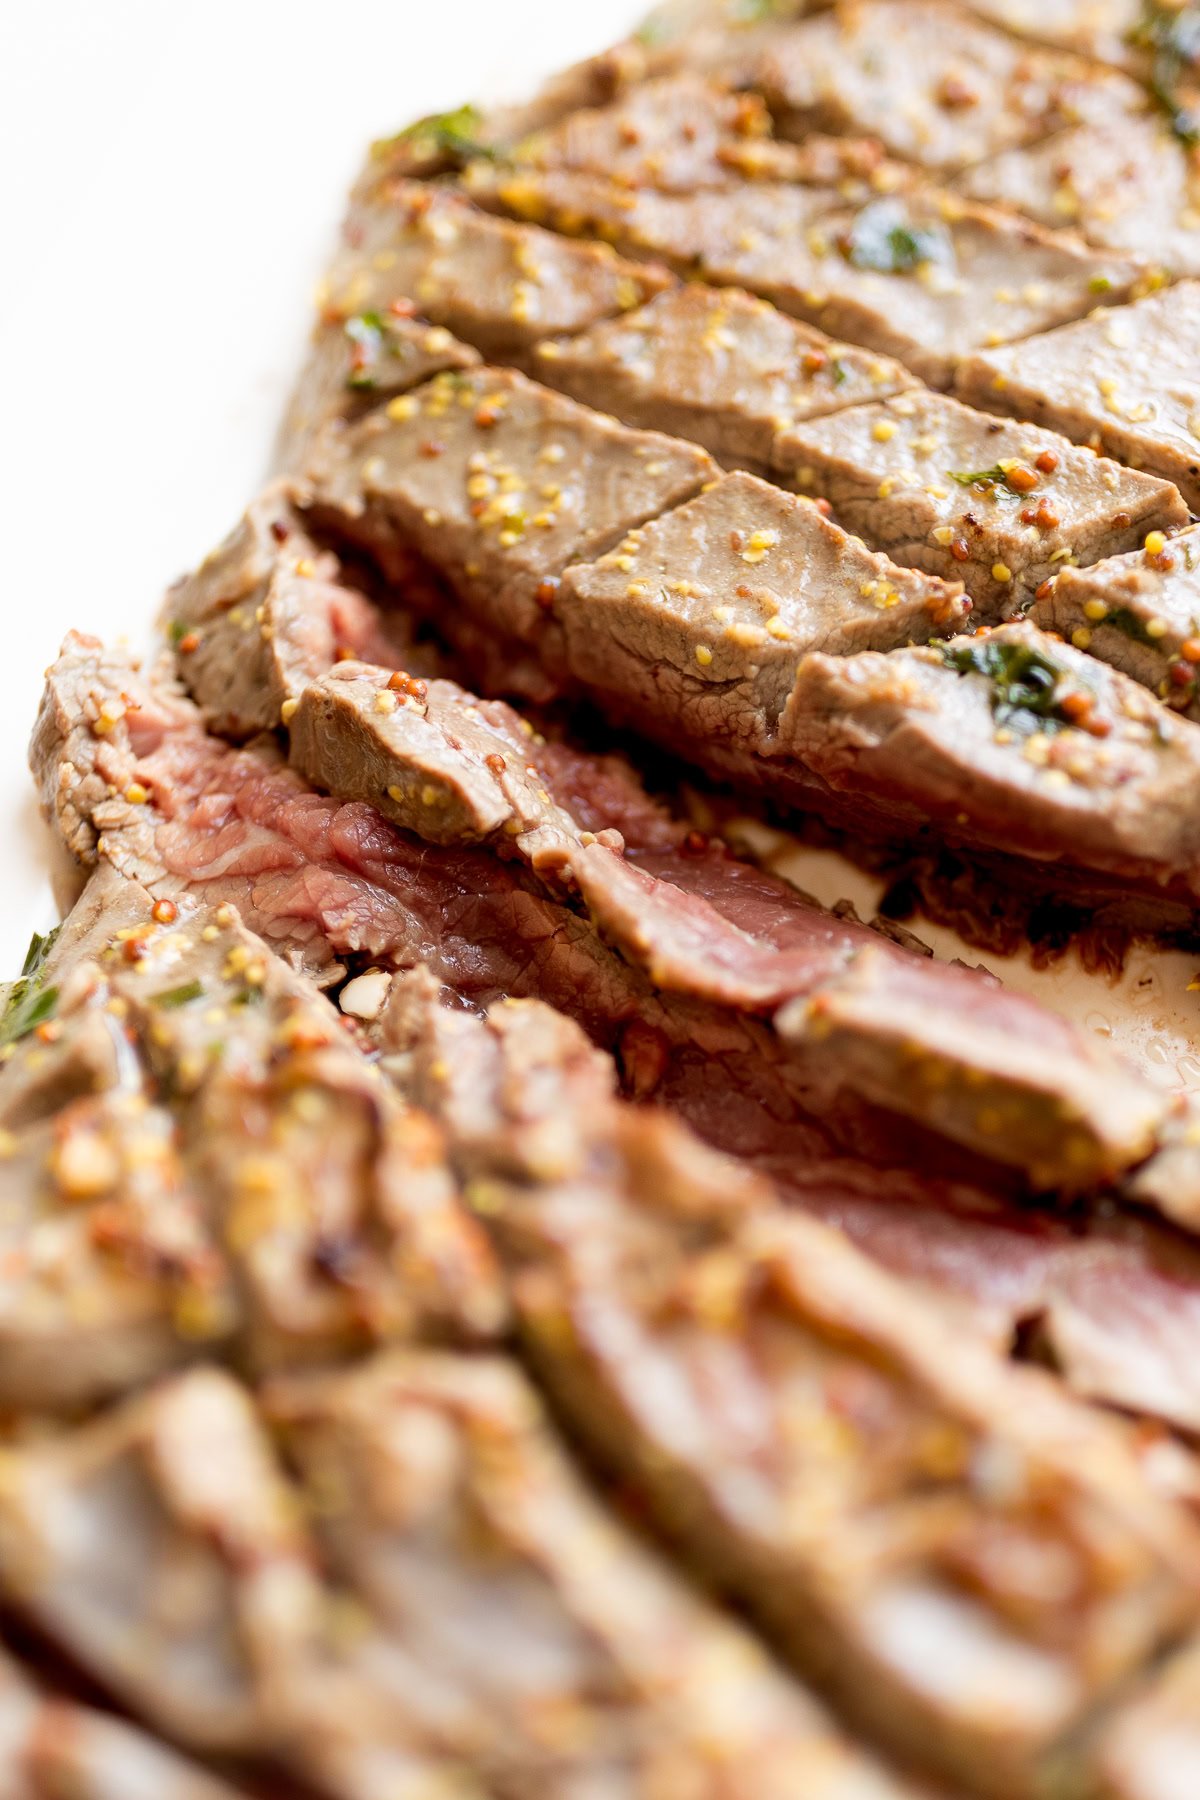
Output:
x,y
178,996
884,237
1172,36
452,134
28,1002
1026,684
992,477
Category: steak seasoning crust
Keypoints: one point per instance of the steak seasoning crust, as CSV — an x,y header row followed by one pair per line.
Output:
x,y
502,1295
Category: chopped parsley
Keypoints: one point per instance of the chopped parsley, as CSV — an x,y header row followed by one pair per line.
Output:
x,y
884,237
29,1003
365,332
1132,625
1172,36
177,631
996,476
840,371
178,996
451,133
1026,692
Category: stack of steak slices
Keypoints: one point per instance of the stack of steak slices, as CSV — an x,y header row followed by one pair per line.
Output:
x,y
619,1174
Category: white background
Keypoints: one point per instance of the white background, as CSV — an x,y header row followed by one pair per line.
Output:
x,y
172,178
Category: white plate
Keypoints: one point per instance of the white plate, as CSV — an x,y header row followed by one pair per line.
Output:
x,y
173,181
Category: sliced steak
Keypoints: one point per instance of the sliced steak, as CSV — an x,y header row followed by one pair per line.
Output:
x,y
441,141
332,1199
698,928
723,38
1126,184
356,362
1013,740
263,615
678,133
959,493
708,945
499,483
713,605
1111,1300
718,366
302,866
159,1548
1125,382
1141,613
109,1274
923,276
50,1746
247,1173
508,1615
1151,1749
495,285
939,88
734,1364
1099,29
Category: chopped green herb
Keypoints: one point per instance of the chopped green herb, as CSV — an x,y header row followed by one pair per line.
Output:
x,y
248,996
1132,625
177,631
840,371
28,1003
1172,36
179,996
1025,682
884,237
365,332
451,133
996,476
40,946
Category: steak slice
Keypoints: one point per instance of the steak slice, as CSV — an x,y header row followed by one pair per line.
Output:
x,y
711,607
1099,29
512,1618
938,88
735,1362
913,275
1013,740
1124,382
956,492
355,362
837,993
1126,184
264,614
495,285
51,1746
158,1546
276,1189
682,133
499,483
331,1197
1111,1300
1151,1749
1140,612
711,948
109,1275
718,366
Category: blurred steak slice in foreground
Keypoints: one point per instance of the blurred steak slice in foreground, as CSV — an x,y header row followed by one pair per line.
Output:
x,y
503,1612
51,1746
233,1171
886,1495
